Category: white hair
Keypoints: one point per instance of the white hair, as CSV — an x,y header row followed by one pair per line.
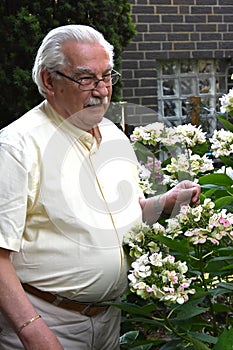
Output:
x,y
50,56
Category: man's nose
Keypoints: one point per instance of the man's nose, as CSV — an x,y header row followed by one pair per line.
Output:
x,y
101,88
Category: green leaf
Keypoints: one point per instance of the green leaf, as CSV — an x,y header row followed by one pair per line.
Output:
x,y
228,268
143,347
219,266
220,307
201,149
179,246
227,161
226,251
225,258
145,321
216,179
226,285
132,308
225,341
172,345
190,311
220,291
210,192
213,187
223,288
204,337
228,125
198,345
129,337
223,202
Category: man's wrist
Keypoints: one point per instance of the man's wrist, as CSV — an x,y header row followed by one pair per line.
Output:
x,y
159,204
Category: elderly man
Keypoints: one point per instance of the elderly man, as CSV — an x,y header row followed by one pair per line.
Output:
x,y
69,192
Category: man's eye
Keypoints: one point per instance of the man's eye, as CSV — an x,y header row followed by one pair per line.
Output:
x,y
107,77
86,80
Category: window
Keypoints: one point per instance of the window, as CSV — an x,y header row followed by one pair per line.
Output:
x,y
189,87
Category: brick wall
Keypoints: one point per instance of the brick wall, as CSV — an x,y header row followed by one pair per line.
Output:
x,y
173,29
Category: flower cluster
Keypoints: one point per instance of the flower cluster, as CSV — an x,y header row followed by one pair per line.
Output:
x,y
174,143
149,135
155,273
189,163
222,143
227,102
157,133
190,135
144,179
201,224
150,170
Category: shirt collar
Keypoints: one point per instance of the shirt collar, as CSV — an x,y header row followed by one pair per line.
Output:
x,y
89,139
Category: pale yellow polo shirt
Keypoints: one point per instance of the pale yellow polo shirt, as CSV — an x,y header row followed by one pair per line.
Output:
x,y
66,203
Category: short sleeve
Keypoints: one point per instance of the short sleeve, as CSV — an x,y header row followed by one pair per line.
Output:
x,y
13,194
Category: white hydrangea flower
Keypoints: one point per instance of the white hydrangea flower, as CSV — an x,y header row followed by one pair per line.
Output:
x,y
191,135
155,274
222,143
226,102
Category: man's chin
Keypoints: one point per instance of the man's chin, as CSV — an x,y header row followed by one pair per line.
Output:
x,y
96,112
88,117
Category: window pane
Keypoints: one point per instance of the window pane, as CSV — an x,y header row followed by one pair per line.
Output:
x,y
207,117
220,84
169,68
184,108
205,67
181,80
206,103
188,86
186,67
169,87
204,86
220,66
170,108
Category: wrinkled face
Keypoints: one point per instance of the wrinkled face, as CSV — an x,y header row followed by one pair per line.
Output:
x,y
86,108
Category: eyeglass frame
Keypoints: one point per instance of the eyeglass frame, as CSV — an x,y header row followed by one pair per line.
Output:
x,y
96,81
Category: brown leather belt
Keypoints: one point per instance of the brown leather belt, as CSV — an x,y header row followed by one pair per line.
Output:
x,y
88,309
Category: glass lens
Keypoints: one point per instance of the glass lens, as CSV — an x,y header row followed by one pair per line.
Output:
x,y
91,83
115,78
88,82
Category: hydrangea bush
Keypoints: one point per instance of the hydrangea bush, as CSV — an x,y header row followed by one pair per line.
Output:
x,y
180,146
181,275
155,273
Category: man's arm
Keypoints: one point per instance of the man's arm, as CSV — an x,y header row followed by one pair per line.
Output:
x,y
18,309
186,192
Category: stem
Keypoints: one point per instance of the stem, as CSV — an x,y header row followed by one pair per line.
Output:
x,y
169,326
201,267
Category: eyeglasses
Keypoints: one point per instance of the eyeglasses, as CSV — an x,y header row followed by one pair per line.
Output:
x,y
89,83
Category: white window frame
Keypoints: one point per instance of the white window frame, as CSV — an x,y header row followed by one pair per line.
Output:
x,y
217,86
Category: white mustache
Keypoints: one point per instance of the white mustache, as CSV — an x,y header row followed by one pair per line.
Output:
x,y
93,101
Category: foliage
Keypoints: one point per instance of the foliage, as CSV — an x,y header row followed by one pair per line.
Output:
x,y
186,303
24,24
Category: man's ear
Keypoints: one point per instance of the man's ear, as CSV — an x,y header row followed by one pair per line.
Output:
x,y
47,80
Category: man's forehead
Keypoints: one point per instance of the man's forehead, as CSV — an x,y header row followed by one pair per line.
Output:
x,y
88,70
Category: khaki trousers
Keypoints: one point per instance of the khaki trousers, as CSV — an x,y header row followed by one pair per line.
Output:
x,y
74,331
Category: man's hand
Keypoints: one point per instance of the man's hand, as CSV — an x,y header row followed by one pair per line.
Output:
x,y
186,192
18,309
169,203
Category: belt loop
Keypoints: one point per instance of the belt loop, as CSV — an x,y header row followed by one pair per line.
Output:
x,y
86,309
57,300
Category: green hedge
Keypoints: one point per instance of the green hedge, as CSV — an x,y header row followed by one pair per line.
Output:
x,y
23,26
